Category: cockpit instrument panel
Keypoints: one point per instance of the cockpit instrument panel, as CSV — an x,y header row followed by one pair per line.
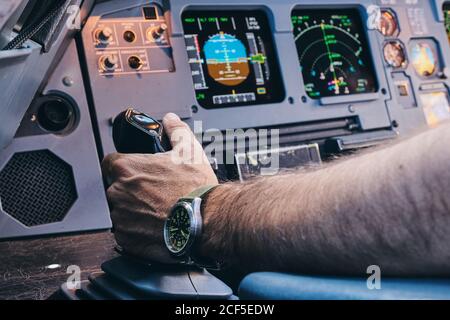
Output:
x,y
232,58
333,51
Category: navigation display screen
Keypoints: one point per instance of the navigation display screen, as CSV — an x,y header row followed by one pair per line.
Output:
x,y
333,51
447,18
232,58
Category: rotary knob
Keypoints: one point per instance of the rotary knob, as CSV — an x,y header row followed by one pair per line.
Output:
x,y
155,33
135,62
108,62
104,35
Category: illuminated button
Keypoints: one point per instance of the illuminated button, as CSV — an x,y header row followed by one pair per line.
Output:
x,y
108,62
104,35
424,59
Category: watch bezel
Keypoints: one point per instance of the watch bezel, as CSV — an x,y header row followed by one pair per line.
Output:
x,y
194,229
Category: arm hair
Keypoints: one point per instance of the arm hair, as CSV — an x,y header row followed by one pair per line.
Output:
x,y
388,207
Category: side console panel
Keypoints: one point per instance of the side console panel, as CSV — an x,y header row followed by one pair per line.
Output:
x,y
52,183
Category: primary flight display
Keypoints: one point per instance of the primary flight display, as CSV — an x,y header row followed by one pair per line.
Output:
x,y
232,58
333,51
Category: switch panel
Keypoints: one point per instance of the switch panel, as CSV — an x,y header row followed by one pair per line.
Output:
x,y
127,44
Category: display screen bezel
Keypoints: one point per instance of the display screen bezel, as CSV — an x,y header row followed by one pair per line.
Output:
x,y
277,92
360,13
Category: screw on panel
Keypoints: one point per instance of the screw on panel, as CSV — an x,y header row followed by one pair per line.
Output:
x,y
68,81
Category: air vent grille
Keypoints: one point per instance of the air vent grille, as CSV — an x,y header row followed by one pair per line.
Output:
x,y
37,188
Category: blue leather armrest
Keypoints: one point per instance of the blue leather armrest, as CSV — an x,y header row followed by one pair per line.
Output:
x,y
279,286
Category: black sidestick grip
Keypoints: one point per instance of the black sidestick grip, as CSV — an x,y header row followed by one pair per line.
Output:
x,y
137,132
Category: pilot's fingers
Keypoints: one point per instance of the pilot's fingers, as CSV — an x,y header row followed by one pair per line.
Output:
x,y
177,131
183,140
115,166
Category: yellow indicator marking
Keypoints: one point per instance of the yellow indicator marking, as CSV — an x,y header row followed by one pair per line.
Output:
x,y
261,90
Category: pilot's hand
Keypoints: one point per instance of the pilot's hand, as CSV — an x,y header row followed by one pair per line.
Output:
x,y
143,188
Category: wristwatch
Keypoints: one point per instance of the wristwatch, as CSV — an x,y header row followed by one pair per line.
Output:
x,y
183,228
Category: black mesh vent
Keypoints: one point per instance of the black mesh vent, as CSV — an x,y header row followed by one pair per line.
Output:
x,y
37,188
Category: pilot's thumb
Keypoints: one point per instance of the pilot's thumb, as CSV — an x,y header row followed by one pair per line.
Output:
x,y
181,137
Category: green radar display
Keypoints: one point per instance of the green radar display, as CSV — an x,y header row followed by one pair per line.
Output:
x,y
333,51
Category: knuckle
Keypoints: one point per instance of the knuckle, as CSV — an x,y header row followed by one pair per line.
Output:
x,y
137,182
112,193
106,163
121,167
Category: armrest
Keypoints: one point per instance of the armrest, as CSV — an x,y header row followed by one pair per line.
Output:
x,y
279,286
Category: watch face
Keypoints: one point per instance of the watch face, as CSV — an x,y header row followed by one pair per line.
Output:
x,y
177,231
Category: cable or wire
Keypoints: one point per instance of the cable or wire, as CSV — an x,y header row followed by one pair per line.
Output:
x,y
29,31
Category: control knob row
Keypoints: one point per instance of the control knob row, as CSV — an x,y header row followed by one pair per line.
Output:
x,y
105,35
110,62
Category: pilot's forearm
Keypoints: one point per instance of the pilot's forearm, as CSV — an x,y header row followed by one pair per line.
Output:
x,y
389,208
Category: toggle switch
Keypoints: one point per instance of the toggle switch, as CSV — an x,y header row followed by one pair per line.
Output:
x,y
155,33
104,35
108,62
